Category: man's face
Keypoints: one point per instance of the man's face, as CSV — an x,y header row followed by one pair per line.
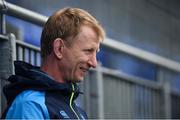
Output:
x,y
80,56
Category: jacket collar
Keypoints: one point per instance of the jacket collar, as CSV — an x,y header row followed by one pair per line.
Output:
x,y
31,77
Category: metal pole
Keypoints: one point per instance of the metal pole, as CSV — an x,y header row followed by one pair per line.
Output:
x,y
3,9
88,94
24,14
6,63
2,27
100,91
12,39
167,100
163,78
142,54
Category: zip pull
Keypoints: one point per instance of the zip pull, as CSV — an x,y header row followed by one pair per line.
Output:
x,y
71,101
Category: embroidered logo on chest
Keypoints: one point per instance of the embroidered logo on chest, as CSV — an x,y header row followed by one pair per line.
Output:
x,y
63,113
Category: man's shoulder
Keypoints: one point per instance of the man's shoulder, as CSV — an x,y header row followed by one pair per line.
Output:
x,y
28,104
30,96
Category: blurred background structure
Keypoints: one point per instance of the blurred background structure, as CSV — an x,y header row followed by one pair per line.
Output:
x,y
139,64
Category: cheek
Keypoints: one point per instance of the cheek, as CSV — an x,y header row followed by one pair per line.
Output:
x,y
83,58
79,60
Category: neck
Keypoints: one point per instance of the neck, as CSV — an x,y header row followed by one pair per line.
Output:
x,y
51,67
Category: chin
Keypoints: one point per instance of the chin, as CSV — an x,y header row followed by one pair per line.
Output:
x,y
79,80
76,80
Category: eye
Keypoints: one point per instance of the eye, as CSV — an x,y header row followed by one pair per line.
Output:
x,y
89,50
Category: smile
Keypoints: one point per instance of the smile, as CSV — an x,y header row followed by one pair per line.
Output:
x,y
84,69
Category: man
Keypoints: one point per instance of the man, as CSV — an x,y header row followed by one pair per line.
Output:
x,y
69,43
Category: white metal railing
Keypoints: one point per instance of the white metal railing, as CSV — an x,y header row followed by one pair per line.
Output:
x,y
28,53
142,54
22,13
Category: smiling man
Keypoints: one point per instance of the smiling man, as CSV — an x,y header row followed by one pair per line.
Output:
x,y
70,41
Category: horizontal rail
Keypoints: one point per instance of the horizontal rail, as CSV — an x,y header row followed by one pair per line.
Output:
x,y
27,45
23,13
3,37
142,54
132,79
39,19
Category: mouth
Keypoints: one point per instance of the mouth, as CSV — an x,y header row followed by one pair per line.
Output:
x,y
84,69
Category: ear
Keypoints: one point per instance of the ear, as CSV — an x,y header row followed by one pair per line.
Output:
x,y
58,47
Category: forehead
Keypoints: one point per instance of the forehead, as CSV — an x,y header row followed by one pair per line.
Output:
x,y
87,35
86,39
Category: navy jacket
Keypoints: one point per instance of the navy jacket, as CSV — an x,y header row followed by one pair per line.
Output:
x,y
32,94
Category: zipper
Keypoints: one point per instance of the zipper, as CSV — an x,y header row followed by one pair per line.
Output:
x,y
71,100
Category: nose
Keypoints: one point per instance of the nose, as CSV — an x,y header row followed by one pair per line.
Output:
x,y
93,61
